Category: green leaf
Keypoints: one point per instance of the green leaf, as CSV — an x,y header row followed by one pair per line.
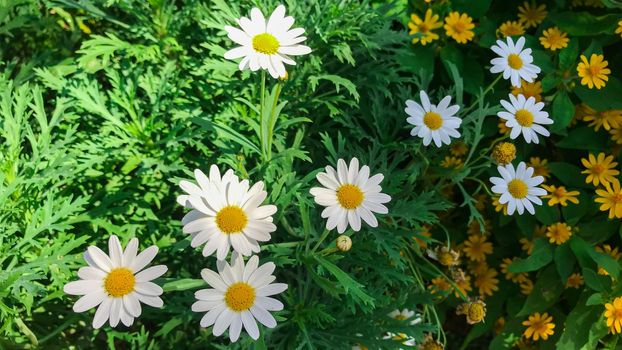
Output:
x,y
584,23
608,97
564,261
590,140
545,292
578,324
540,257
350,285
475,9
594,281
569,174
568,55
562,112
183,284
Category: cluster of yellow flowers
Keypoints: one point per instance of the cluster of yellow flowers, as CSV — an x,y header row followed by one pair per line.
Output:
x,y
458,26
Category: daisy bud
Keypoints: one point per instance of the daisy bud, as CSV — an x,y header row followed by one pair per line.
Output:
x,y
504,153
344,243
475,311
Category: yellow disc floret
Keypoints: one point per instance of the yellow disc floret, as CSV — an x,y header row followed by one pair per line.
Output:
x,y
524,118
515,62
433,120
518,188
231,219
350,196
240,296
266,43
119,282
504,153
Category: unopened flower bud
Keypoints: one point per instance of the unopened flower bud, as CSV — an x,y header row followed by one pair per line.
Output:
x,y
344,243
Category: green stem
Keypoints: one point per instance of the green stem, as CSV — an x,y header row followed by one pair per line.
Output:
x,y
272,118
261,103
322,238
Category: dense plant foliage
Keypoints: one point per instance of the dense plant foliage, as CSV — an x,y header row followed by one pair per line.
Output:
x,y
106,106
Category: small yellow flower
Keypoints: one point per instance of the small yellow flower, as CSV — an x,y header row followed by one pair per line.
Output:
x,y
462,281
486,282
439,285
526,245
613,314
445,256
500,207
511,28
612,252
474,227
452,162
526,286
607,119
539,326
554,39
459,27
430,344
531,15
559,195
476,248
600,169
529,90
616,135
619,29
558,233
610,199
458,148
503,129
480,201
540,167
425,232
595,72
504,153
574,281
423,29
514,277
475,311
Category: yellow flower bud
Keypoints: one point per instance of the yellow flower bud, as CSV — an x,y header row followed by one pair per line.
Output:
x,y
344,243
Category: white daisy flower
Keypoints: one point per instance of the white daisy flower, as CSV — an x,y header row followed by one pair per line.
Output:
x,y
350,195
266,44
518,188
240,295
402,315
226,213
514,62
524,115
117,282
433,122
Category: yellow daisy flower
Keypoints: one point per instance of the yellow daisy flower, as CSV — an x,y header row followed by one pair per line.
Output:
x,y
452,162
503,129
558,233
574,281
526,245
613,314
610,199
529,90
514,277
595,72
476,248
511,28
599,169
530,15
458,148
439,285
554,39
540,167
499,207
619,29
539,326
606,119
526,286
486,282
423,29
616,135
459,27
425,232
559,195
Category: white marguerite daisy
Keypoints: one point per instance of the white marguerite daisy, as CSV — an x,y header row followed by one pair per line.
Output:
x,y
226,213
240,294
117,282
404,314
525,116
518,188
514,61
433,122
350,195
266,44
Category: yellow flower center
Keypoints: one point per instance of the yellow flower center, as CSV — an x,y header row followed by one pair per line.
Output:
x,y
266,43
433,120
446,258
231,219
524,118
476,312
514,61
240,296
119,282
559,192
598,169
594,70
350,196
504,153
400,317
518,188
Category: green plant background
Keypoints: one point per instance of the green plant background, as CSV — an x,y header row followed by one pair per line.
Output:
x,y
105,105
